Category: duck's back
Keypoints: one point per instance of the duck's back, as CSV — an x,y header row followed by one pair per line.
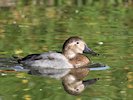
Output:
x,y
47,60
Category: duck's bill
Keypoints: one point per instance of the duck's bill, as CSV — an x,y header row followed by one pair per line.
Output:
x,y
89,51
90,81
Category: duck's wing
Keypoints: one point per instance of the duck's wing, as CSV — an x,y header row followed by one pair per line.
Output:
x,y
30,57
46,60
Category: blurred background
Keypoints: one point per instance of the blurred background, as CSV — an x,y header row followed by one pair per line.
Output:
x,y
36,26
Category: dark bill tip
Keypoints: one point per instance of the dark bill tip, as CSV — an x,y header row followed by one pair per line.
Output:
x,y
94,53
89,51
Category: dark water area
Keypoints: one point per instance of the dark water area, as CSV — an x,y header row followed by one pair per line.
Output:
x,y
108,30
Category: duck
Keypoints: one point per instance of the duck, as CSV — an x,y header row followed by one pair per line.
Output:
x,y
57,65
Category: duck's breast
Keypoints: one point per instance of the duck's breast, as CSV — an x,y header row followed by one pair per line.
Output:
x,y
79,61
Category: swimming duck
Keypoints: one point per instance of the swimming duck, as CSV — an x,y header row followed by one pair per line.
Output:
x,y
57,65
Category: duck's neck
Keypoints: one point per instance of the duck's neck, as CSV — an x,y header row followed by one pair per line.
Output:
x,y
69,54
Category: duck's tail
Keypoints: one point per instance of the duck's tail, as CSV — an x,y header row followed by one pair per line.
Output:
x,y
17,59
11,65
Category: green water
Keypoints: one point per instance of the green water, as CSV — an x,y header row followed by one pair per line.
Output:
x,y
35,29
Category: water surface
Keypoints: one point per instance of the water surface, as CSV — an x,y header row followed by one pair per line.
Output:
x,y
35,29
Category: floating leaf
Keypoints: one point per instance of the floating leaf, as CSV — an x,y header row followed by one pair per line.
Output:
x,y
24,81
18,51
27,97
130,86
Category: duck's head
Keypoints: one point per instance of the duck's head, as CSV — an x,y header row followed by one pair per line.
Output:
x,y
75,45
74,86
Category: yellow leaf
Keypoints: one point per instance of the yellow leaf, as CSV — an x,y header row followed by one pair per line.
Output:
x,y
24,81
130,86
27,97
18,51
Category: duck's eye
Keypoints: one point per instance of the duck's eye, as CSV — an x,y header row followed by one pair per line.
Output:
x,y
77,42
77,89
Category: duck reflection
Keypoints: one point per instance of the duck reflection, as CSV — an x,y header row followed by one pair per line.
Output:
x,y
72,79
73,82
